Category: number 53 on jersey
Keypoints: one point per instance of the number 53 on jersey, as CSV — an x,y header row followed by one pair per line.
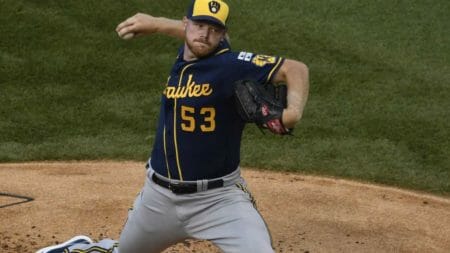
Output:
x,y
198,119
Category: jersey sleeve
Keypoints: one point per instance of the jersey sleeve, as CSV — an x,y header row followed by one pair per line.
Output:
x,y
258,67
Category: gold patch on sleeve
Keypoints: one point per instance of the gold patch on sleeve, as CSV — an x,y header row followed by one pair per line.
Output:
x,y
261,60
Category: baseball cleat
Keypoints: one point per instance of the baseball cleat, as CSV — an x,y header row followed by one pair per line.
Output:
x,y
59,248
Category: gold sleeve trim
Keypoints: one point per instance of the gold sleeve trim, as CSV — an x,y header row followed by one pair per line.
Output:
x,y
274,68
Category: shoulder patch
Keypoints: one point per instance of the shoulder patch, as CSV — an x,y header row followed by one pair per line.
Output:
x,y
245,56
261,60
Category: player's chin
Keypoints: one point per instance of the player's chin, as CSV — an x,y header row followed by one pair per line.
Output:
x,y
202,52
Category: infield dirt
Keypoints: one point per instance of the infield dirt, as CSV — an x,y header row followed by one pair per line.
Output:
x,y
304,213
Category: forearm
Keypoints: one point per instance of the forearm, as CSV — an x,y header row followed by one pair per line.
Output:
x,y
141,23
170,27
296,76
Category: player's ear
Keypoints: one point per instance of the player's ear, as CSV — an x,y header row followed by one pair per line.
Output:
x,y
185,21
227,38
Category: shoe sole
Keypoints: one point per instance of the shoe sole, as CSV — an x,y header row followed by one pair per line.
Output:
x,y
75,240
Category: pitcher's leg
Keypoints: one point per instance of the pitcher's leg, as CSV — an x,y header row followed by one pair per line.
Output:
x,y
152,225
233,224
245,232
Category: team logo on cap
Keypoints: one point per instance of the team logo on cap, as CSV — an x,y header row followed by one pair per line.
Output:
x,y
214,7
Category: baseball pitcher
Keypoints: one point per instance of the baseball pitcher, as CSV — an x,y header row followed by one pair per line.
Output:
x,y
193,187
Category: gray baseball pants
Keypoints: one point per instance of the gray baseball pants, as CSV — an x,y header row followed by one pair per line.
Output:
x,y
225,216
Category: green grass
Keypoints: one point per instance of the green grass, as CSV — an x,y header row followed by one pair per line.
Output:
x,y
378,108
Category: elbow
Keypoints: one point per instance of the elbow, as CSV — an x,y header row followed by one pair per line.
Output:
x,y
296,67
304,70
301,68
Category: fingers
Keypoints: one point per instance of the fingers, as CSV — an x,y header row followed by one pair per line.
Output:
x,y
137,25
126,26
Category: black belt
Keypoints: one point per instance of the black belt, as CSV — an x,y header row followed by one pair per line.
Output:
x,y
185,188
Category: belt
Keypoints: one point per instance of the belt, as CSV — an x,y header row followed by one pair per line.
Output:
x,y
185,188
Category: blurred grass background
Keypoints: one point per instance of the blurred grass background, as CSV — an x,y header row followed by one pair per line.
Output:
x,y
378,110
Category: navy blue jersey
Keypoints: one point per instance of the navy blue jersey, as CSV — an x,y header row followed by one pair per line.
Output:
x,y
199,130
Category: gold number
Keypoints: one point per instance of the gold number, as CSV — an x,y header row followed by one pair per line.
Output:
x,y
188,124
210,123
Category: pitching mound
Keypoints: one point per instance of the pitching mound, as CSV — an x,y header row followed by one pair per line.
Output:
x,y
304,213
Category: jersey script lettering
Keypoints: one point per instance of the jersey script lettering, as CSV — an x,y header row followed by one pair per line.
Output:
x,y
191,89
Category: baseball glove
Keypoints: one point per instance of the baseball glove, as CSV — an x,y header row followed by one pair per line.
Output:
x,y
261,104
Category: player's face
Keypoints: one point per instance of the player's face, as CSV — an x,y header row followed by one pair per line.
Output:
x,y
202,38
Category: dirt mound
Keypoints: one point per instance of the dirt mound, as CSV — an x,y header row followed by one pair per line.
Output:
x,y
304,213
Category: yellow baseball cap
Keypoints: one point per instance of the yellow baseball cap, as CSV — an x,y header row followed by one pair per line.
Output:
x,y
212,11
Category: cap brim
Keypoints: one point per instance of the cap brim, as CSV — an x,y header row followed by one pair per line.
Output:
x,y
208,19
